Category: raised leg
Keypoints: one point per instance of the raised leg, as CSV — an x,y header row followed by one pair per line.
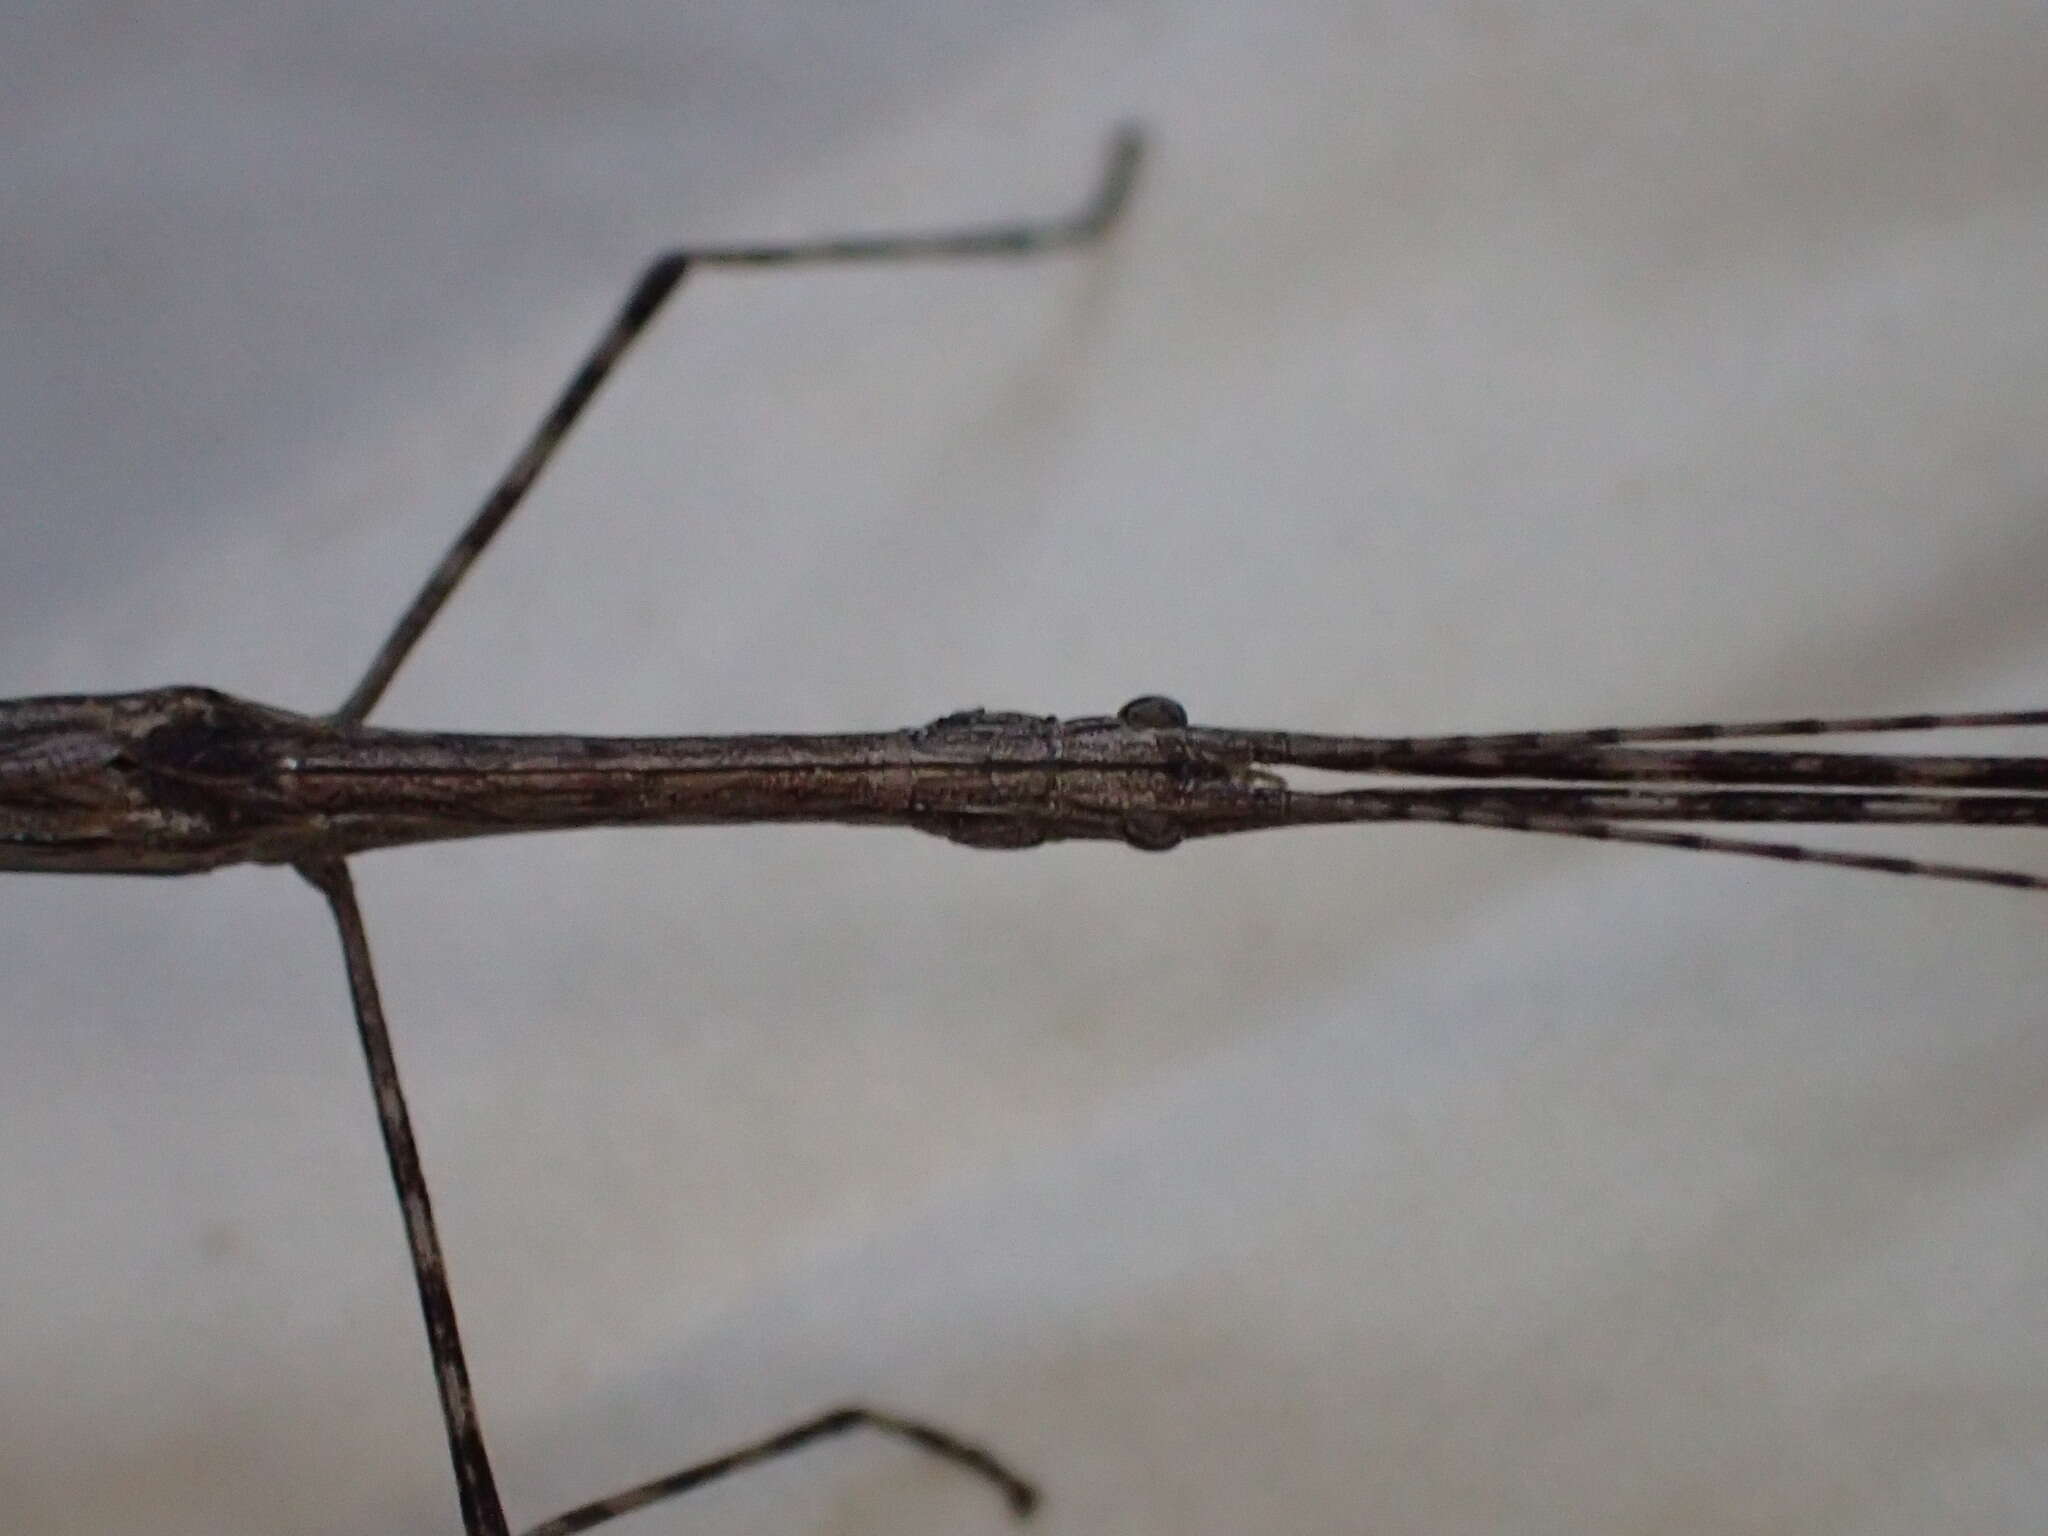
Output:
x,y
1021,1496
661,279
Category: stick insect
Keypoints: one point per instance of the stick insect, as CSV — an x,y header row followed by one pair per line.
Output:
x,y
179,780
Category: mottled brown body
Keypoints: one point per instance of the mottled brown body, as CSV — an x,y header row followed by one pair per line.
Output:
x,y
178,780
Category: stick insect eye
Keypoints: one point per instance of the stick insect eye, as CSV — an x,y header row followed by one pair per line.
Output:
x,y
1153,712
1151,832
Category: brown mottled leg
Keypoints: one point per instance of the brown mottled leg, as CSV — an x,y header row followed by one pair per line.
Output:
x,y
1020,1495
649,293
482,1512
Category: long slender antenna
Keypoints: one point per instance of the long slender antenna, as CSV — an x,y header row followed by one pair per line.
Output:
x,y
644,301
1789,853
1717,730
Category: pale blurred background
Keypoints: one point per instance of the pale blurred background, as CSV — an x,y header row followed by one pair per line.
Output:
x,y
1460,368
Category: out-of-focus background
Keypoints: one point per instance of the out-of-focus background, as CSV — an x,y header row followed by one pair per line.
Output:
x,y
1460,368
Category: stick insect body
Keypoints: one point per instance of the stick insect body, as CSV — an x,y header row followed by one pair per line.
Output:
x,y
179,780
